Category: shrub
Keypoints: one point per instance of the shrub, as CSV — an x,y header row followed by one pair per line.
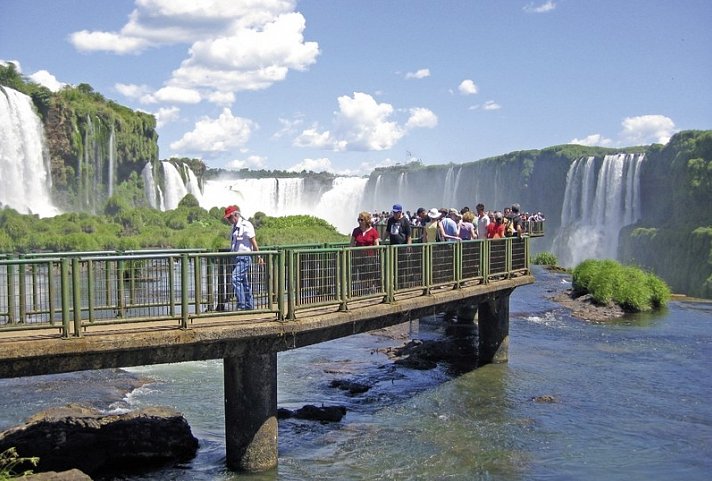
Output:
x,y
630,287
545,259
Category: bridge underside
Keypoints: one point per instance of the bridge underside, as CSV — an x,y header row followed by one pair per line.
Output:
x,y
146,344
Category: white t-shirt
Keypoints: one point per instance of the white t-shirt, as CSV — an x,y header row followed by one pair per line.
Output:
x,y
242,232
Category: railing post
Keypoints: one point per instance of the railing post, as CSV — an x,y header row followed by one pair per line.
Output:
x,y
11,301
90,289
486,260
120,291
342,279
390,274
50,290
281,279
172,286
292,284
22,299
197,290
64,287
76,297
184,287
457,258
427,268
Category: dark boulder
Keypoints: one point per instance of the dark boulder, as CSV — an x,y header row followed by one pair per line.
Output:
x,y
81,437
323,414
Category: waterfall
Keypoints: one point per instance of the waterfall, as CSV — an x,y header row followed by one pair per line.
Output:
x,y
277,197
173,184
112,160
192,185
25,181
598,201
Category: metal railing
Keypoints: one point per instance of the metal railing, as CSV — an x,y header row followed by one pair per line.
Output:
x,y
72,292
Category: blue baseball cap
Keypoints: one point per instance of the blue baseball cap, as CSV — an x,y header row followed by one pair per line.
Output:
x,y
397,208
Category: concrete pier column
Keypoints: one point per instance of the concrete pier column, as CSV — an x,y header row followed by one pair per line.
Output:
x,y
251,411
493,328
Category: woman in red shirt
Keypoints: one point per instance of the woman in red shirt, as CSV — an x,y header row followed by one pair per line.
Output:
x,y
495,230
365,274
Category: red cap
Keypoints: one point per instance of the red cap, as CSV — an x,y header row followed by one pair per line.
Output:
x,y
229,210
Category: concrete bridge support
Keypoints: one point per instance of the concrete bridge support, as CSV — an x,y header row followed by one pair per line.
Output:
x,y
251,411
493,328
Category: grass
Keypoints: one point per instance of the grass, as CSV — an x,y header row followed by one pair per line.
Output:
x,y
630,287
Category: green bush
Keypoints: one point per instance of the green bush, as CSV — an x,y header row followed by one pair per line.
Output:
x,y
630,287
545,259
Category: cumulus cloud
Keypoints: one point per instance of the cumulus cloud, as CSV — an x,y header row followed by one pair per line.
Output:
x,y
591,140
467,87
48,80
640,130
421,117
176,95
132,91
222,134
252,162
322,164
420,74
363,124
547,6
233,46
166,115
646,129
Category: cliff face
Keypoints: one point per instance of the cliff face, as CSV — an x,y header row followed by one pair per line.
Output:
x,y
94,145
672,237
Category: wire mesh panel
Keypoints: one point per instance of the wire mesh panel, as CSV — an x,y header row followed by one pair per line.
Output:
x,y
498,257
365,271
27,294
217,275
317,277
124,288
535,228
408,266
519,255
472,259
443,262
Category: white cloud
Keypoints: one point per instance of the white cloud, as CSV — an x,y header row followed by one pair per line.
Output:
x,y
420,74
363,124
48,80
252,162
467,87
491,105
646,129
222,98
421,117
322,164
547,6
591,140
166,115
18,67
132,91
234,46
225,133
86,41
176,95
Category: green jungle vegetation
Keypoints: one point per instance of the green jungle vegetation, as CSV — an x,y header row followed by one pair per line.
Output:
x,y
545,259
630,287
11,462
122,227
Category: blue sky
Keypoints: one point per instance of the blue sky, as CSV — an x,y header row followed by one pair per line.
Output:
x,y
346,85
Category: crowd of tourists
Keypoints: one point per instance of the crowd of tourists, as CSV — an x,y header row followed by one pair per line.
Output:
x,y
441,225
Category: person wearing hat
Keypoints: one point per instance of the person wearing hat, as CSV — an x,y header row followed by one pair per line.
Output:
x,y
398,226
242,240
451,226
430,232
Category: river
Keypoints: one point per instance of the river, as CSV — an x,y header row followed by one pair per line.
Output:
x,y
623,400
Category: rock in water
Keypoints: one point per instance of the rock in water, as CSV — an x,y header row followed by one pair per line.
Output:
x,y
81,437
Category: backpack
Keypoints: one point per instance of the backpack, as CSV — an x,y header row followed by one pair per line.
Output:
x,y
509,228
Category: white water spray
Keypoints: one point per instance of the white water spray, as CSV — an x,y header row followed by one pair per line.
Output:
x,y
24,173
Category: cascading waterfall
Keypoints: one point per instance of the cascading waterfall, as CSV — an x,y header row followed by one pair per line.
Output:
x,y
112,160
24,160
193,186
598,201
175,189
